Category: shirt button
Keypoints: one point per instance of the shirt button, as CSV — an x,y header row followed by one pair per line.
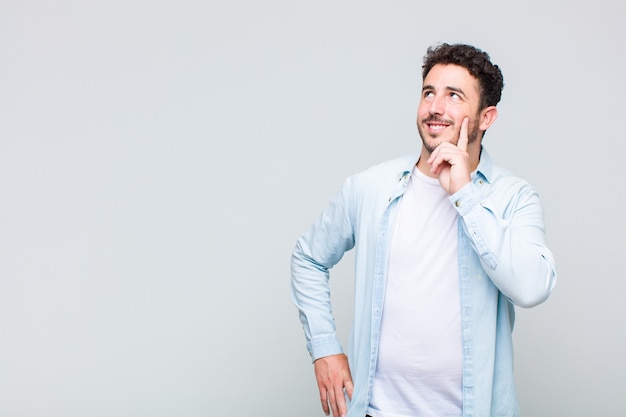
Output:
x,y
480,181
457,203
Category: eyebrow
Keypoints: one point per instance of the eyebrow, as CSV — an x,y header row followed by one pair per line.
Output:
x,y
456,90
449,88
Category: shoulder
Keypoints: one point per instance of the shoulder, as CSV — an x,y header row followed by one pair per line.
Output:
x,y
378,182
505,182
495,173
390,170
504,176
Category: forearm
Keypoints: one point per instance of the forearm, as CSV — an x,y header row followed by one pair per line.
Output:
x,y
310,293
316,252
509,238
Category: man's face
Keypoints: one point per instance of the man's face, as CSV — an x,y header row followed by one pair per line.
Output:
x,y
449,94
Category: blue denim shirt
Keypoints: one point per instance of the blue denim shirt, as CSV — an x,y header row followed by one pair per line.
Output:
x,y
503,261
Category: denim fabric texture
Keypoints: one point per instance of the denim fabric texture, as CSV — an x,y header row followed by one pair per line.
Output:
x,y
503,262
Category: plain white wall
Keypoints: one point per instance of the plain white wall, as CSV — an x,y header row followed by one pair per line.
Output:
x,y
158,160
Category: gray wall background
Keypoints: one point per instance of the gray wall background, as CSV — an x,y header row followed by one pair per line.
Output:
x,y
158,160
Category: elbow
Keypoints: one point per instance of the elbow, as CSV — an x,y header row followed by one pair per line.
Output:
x,y
530,300
533,295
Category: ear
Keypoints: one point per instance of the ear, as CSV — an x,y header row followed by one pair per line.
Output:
x,y
487,117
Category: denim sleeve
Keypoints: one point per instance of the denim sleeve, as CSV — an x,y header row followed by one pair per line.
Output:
x,y
316,252
504,223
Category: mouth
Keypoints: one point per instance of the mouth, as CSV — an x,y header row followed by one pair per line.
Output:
x,y
436,126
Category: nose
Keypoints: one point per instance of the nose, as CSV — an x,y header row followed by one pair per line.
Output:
x,y
437,105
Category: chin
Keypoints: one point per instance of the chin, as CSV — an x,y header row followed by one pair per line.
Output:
x,y
431,142
429,145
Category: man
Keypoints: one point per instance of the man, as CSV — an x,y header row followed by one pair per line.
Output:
x,y
446,243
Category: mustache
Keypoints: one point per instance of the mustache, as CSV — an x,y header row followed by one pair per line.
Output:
x,y
436,119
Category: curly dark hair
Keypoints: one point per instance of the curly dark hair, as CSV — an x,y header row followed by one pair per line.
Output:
x,y
475,61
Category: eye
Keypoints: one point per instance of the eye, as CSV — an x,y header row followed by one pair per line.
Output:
x,y
455,96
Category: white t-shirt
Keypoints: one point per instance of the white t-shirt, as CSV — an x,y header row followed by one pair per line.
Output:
x,y
419,368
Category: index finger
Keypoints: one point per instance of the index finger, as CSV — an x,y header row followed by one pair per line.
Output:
x,y
463,139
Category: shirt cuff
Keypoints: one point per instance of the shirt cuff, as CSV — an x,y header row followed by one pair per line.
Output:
x,y
466,198
324,346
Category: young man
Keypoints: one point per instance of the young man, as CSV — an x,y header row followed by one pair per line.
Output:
x,y
446,243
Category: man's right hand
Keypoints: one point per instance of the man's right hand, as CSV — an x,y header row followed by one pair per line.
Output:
x,y
333,375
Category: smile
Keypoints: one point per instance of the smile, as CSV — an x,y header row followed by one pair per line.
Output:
x,y
436,126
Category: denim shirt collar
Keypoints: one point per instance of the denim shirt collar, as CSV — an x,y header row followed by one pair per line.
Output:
x,y
485,166
484,170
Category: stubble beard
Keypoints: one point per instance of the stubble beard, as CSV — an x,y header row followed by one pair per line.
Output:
x,y
472,134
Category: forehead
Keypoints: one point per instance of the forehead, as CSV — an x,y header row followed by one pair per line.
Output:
x,y
450,76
